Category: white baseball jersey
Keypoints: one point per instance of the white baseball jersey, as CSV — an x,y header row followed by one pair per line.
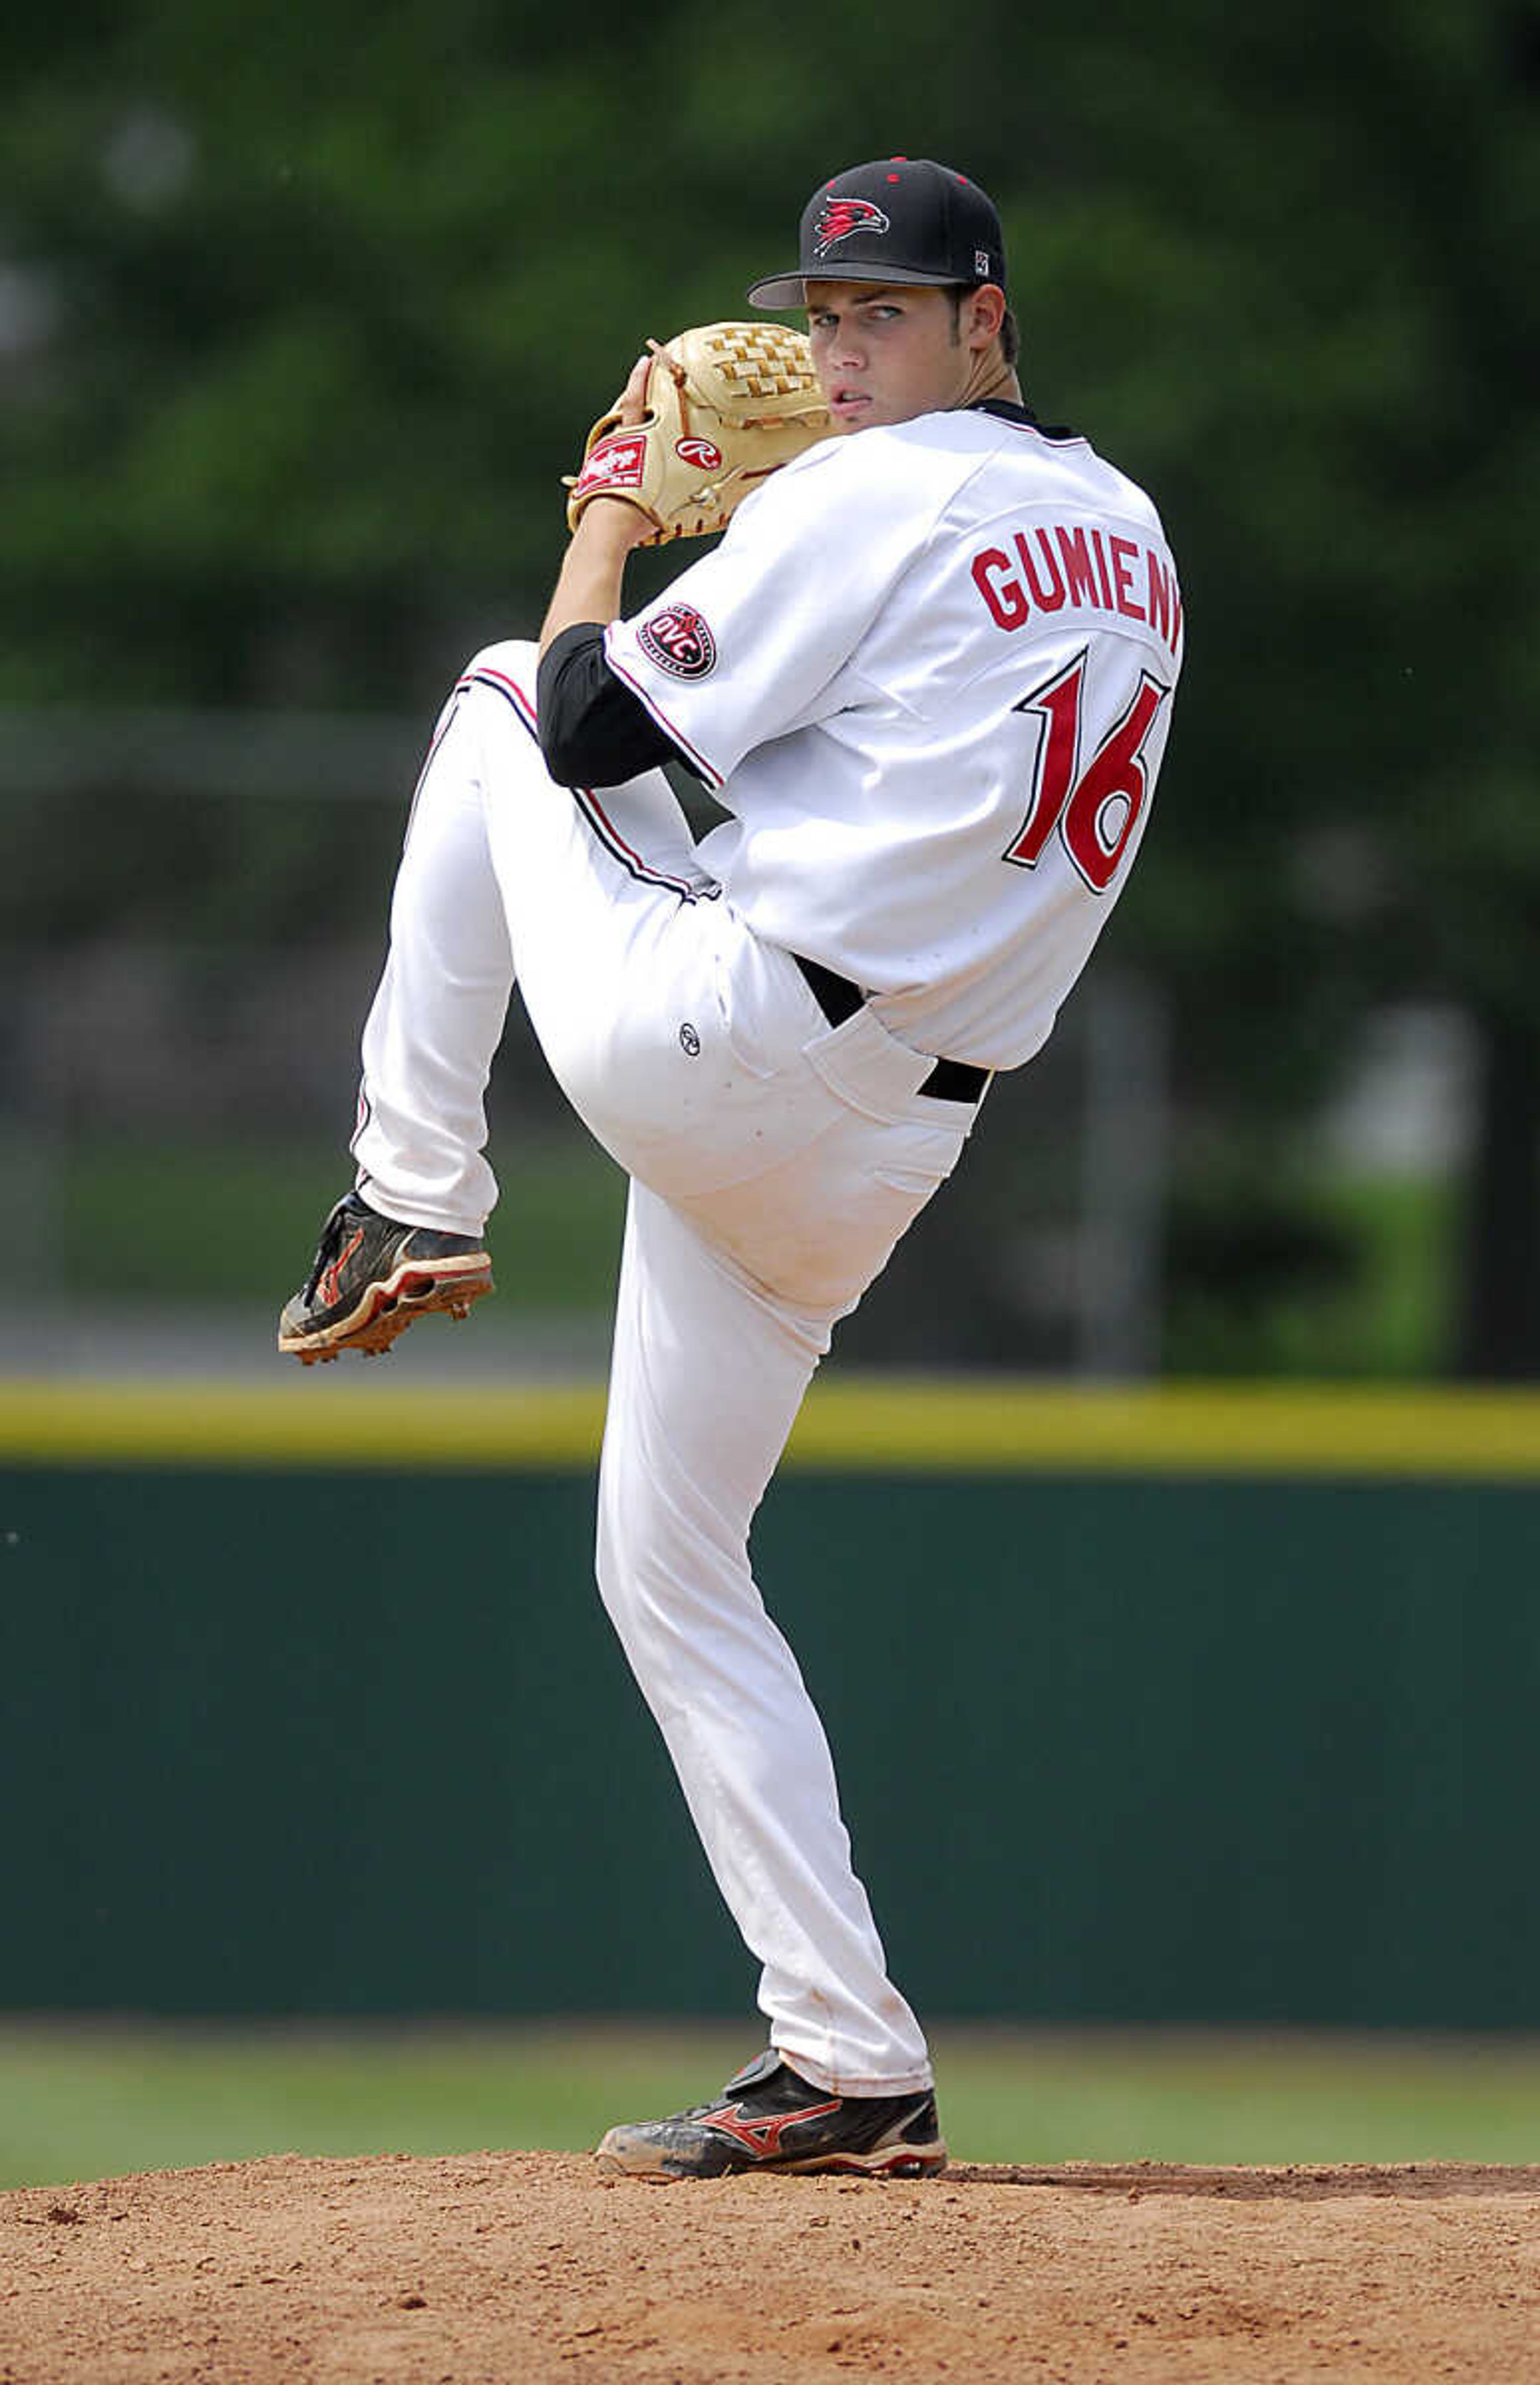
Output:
x,y
929,672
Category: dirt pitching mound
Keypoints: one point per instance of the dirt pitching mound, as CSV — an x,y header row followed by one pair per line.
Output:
x,y
491,2269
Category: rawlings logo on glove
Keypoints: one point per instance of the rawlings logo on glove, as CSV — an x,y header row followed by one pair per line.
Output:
x,y
614,464
727,406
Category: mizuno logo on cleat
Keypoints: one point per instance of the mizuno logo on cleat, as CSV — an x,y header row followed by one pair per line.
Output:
x,y
330,1287
762,2137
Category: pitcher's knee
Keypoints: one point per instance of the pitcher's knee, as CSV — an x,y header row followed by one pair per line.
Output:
x,y
638,1616
662,1581
510,669
520,655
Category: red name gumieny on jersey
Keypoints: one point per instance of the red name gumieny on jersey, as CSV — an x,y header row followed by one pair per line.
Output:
x,y
1080,563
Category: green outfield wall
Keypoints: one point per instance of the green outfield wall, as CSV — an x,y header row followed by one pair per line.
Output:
x,y
1194,1705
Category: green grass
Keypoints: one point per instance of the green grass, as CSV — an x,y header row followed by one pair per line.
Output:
x,y
122,1213
1392,1317
121,1208
1385,1311
94,2100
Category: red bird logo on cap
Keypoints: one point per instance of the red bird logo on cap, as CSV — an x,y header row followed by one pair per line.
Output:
x,y
839,217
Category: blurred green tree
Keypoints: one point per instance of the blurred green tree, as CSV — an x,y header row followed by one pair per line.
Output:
x,y
298,330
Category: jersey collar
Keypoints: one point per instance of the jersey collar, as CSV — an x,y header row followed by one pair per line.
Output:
x,y
1009,411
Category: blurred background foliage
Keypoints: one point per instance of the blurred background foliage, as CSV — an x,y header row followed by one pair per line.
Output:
x,y
302,319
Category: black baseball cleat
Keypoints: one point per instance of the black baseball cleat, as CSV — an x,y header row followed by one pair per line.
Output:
x,y
767,2119
372,1278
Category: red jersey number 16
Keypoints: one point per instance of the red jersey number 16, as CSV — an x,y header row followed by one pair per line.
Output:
x,y
1095,810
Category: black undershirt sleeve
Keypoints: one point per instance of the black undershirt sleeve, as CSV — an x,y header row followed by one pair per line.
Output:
x,y
593,731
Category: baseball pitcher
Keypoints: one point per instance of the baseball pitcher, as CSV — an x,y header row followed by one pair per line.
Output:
x,y
928,673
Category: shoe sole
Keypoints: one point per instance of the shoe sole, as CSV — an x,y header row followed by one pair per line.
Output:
x,y
883,2161
418,1288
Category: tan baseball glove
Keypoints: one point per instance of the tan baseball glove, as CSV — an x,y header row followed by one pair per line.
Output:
x,y
727,406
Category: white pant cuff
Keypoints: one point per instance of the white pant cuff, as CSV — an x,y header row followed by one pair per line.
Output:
x,y
846,2082
416,1213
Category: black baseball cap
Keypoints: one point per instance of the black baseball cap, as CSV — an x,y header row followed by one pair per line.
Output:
x,y
898,219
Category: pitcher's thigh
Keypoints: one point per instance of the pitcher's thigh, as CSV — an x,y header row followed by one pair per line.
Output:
x,y
817,1230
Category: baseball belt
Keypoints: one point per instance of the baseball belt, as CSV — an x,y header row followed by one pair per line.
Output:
x,y
838,999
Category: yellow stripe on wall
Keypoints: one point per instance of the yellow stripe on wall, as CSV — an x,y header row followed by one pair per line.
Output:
x,y
932,1425
298,1422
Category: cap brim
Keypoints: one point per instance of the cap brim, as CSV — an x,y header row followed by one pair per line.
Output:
x,y
790,289
780,289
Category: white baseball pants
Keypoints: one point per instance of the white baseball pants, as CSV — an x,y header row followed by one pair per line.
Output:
x,y
774,1163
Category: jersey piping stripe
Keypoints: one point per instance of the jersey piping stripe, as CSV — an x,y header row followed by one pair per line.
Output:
x,y
712,777
586,800
440,734
630,860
